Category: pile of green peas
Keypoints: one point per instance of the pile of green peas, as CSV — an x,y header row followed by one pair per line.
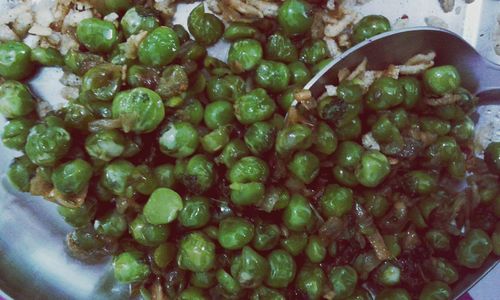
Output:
x,y
188,173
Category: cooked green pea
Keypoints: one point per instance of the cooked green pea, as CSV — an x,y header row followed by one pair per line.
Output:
x,y
215,140
191,112
15,60
142,76
385,93
244,55
80,62
72,177
299,73
192,293
442,80
351,130
148,234
412,91
435,125
336,201
117,176
259,137
343,280
263,292
420,182
78,116
232,152
237,30
226,88
45,145
438,239
129,267
227,282
492,157
234,233
254,106
325,140
280,48
140,110
20,172
159,48
305,166
249,193
105,145
435,290
199,173
218,113
163,206
444,150
349,92
273,76
463,131
376,204
203,280
384,131
294,137
314,52
311,280
248,169
15,99
102,82
282,269
196,253
112,225
249,268
195,213
298,215
173,82
473,249
373,168
47,57
370,26
276,198
388,274
393,294
78,216
179,140
295,17
315,249
295,243
138,19
15,133
206,28
441,269
266,237
97,35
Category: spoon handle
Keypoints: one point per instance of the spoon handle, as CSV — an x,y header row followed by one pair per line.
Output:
x,y
489,89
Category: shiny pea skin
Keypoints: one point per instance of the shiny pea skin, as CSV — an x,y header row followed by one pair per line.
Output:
x,y
15,133
373,168
97,35
280,48
192,293
370,26
420,182
348,154
311,280
315,249
385,93
299,73
138,19
412,91
102,82
336,201
442,80
199,174
129,267
254,106
105,145
249,193
294,137
234,233
473,249
218,113
192,112
15,99
20,172
248,169
239,30
173,82
314,52
215,140
343,280
195,213
163,206
244,55
196,253
206,28
295,243
202,280
45,145
148,234
272,76
232,152
295,17
78,216
179,140
47,57
266,237
435,290
298,215
112,225
116,177
259,137
159,48
492,157
227,282
72,177
282,269
15,60
249,268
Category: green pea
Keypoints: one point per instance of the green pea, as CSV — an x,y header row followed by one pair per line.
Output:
x,y
215,140
47,57
138,19
492,157
142,76
294,137
15,99
72,177
376,204
140,110
384,131
441,269
97,35
244,55
351,130
299,73
295,17
248,169
232,152
343,280
78,216
388,274
385,93
227,282
236,31
259,137
438,240
314,52
164,254
263,293
321,65
393,294
218,113
254,106
45,145
315,249
442,80
20,172
117,176
463,131
282,269
203,280
311,280
129,267
199,174
148,234
234,233
159,48
412,91
273,76
348,154
344,176
370,26
298,215
249,193
195,213
15,61
420,182
305,166
392,243
105,145
192,293
102,82
373,168
276,198
206,28
444,150
15,133
179,140
435,290
196,253
280,48
295,243
249,268
435,125
163,206
192,112
473,249
266,237
173,82
80,62
112,225
77,116
226,88
336,201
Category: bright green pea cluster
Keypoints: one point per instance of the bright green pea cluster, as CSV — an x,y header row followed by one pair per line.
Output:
x,y
203,181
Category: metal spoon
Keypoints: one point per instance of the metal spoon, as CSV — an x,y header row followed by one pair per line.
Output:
x,y
479,76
